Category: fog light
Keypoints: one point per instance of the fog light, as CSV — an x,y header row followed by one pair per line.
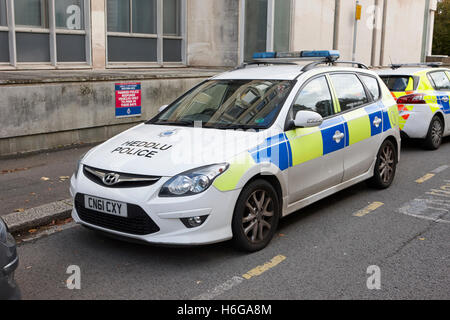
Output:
x,y
193,222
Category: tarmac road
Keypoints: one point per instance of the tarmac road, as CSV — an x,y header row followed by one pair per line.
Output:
x,y
322,252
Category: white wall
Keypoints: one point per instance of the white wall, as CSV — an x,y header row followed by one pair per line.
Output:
x,y
404,31
313,28
212,32
313,25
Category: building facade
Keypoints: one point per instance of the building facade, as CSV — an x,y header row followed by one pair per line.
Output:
x,y
102,34
61,61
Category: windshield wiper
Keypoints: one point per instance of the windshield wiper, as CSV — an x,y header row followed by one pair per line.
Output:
x,y
233,126
182,123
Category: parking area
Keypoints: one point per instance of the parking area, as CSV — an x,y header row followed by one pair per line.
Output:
x,y
325,251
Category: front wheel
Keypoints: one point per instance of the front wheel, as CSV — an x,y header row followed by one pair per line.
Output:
x,y
256,216
435,132
385,166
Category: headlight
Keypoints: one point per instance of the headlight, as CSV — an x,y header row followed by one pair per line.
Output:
x,y
78,166
3,231
192,182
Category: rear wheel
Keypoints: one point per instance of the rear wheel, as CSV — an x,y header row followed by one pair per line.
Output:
x,y
435,132
256,216
385,166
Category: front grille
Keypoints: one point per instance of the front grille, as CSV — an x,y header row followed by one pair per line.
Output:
x,y
125,180
138,222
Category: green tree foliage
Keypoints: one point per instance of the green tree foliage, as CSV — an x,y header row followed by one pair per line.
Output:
x,y
441,38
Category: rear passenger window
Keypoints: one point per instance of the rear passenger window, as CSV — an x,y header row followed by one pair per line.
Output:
x,y
315,96
440,80
371,84
349,90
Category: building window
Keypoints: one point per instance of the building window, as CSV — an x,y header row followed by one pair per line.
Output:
x,y
4,42
150,30
267,25
31,13
45,31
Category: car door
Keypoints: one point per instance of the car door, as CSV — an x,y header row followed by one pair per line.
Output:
x,y
318,152
441,83
359,103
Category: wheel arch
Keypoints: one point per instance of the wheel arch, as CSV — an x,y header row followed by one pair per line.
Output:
x,y
440,115
274,181
394,141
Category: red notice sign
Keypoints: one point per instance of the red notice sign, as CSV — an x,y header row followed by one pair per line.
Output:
x,y
128,99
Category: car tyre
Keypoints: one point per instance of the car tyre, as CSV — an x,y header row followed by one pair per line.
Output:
x,y
385,166
256,216
435,133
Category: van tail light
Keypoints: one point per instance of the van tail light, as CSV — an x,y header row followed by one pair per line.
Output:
x,y
415,98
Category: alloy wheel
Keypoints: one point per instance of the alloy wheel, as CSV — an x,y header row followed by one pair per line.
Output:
x,y
258,216
436,132
387,163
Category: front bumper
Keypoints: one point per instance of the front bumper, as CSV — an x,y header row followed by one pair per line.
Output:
x,y
165,212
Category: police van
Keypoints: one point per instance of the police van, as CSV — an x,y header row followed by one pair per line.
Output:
x,y
241,150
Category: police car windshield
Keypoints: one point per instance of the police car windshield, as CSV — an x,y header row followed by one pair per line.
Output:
x,y
228,104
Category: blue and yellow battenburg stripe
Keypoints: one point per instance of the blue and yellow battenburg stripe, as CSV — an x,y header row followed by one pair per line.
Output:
x,y
305,144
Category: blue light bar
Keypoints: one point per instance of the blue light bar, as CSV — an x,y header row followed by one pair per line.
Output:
x,y
332,55
264,55
321,54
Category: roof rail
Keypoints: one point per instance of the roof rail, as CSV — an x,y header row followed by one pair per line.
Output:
x,y
424,64
257,62
315,64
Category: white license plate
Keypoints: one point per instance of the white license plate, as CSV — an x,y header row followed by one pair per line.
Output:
x,y
106,206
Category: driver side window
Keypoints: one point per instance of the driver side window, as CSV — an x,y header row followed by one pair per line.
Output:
x,y
315,96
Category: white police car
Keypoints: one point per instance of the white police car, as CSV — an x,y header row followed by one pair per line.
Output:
x,y
239,151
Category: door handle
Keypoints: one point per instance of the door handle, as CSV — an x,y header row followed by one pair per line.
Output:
x,y
338,136
376,122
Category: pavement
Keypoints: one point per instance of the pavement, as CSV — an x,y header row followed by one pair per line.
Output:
x,y
328,250
34,189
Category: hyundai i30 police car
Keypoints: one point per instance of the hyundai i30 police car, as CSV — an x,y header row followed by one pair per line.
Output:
x,y
239,151
423,94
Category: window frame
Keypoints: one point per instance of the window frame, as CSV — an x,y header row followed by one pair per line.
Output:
x,y
159,36
52,31
380,97
288,120
432,80
368,94
270,27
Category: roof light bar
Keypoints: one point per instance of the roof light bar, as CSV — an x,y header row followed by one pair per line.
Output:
x,y
332,55
321,54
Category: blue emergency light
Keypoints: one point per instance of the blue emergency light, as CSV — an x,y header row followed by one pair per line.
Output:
x,y
321,54
264,55
330,54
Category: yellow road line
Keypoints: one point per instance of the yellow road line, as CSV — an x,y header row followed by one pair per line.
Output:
x,y
266,266
426,177
370,208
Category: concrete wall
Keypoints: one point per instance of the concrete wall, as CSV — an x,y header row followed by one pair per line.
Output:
x,y
404,22
313,28
36,117
313,25
212,32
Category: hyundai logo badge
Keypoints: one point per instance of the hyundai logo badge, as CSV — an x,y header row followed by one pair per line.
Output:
x,y
111,179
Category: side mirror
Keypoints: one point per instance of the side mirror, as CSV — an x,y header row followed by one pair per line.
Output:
x,y
307,119
162,108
